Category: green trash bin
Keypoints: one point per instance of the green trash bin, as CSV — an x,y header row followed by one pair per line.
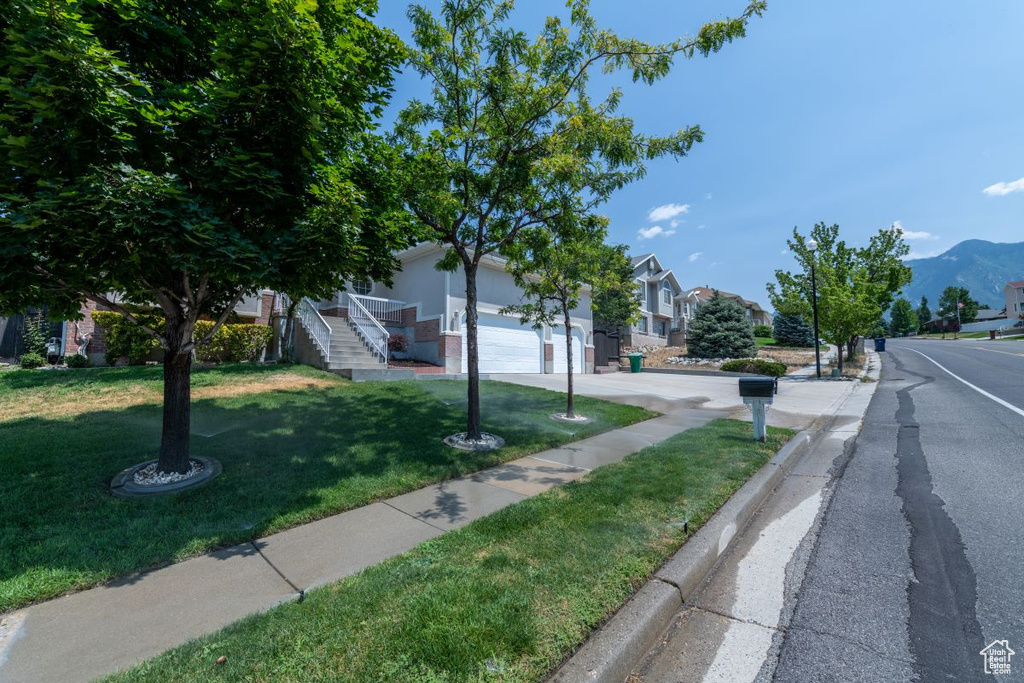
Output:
x,y
635,362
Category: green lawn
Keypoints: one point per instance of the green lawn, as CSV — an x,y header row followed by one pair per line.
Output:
x,y
296,444
764,341
504,599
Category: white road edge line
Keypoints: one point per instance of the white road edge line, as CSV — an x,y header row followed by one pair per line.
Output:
x,y
978,389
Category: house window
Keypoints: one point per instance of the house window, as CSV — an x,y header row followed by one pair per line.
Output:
x,y
643,295
643,325
666,293
362,287
661,328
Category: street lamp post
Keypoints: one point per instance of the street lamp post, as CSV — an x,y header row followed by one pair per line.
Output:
x,y
812,246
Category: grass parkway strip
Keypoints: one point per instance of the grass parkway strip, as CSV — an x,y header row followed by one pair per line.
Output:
x,y
505,598
296,444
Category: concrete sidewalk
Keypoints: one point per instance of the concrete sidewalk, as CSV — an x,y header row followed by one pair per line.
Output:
x,y
99,631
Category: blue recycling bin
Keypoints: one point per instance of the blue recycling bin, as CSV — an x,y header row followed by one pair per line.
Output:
x,y
880,344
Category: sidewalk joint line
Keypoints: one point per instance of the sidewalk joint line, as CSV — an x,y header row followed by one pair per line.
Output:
x,y
384,502
553,462
301,593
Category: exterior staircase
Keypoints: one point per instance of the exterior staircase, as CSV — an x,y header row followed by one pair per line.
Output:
x,y
348,350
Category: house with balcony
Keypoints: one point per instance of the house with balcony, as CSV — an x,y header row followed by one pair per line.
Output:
x,y
1013,295
659,288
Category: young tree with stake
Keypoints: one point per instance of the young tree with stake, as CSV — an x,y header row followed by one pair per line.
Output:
x,y
510,138
184,155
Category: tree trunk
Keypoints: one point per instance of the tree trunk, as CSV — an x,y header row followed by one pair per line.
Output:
x,y
174,442
472,355
839,357
570,410
287,345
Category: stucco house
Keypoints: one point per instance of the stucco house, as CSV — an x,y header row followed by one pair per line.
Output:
x,y
687,303
1013,293
659,289
428,308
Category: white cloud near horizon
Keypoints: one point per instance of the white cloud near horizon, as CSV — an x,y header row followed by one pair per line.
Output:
x,y
654,231
921,254
695,255
913,234
667,211
1002,189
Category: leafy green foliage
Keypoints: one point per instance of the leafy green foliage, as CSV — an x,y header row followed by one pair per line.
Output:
x,y
36,328
951,297
125,339
510,138
755,366
763,331
31,360
792,330
903,319
720,329
855,286
77,361
616,298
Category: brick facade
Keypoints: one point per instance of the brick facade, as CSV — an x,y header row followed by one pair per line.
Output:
x,y
86,326
429,331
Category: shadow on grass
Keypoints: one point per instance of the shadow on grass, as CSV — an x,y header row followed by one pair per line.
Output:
x,y
289,457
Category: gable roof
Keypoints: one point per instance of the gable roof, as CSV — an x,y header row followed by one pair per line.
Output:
x,y
637,260
705,293
1018,283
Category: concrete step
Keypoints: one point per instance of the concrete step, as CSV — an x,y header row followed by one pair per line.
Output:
x,y
356,366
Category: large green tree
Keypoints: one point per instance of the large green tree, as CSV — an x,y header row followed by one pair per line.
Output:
x,y
855,286
903,319
924,314
955,298
184,154
721,329
554,265
510,137
616,297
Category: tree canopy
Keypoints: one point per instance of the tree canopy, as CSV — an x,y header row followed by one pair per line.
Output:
x,y
952,298
924,313
903,320
187,154
511,139
855,286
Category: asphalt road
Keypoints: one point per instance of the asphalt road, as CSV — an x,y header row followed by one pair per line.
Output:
x,y
918,563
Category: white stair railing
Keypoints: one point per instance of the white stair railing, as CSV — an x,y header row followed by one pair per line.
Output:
x,y
315,325
382,310
368,327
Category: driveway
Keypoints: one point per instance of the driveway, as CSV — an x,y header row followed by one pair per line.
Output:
x,y
798,404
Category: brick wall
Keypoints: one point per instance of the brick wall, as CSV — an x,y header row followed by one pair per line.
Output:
x,y
97,343
428,331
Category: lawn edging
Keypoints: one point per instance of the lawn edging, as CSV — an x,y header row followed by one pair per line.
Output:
x,y
611,652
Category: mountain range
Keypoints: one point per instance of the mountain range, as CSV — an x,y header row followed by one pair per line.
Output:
x,y
980,266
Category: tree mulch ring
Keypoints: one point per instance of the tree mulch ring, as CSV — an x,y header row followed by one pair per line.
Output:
x,y
486,442
575,419
142,480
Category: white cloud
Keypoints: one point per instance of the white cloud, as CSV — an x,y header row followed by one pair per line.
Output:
x,y
696,255
701,226
667,211
674,223
784,252
707,196
1002,189
913,234
921,254
654,231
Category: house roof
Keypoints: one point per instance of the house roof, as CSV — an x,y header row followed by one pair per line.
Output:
x,y
637,260
1018,283
706,293
990,314
658,277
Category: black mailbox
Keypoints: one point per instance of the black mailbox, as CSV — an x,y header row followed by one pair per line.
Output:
x,y
757,387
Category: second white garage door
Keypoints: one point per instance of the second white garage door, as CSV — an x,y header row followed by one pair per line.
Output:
x,y
505,345
558,338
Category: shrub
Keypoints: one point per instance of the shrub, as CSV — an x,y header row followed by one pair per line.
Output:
x,y
125,339
756,366
77,361
762,331
34,337
214,350
792,330
398,343
246,342
721,330
32,360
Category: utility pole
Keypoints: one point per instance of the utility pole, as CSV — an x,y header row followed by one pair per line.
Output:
x,y
812,247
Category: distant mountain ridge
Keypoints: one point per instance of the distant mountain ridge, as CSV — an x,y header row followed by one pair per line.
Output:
x,y
982,267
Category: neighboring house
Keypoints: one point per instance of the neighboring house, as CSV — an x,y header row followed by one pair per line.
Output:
x,y
688,302
988,314
1013,293
659,289
428,307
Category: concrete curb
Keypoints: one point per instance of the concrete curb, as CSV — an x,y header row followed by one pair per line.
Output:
x,y
611,652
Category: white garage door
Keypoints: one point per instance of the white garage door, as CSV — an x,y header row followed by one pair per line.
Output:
x,y
558,337
505,345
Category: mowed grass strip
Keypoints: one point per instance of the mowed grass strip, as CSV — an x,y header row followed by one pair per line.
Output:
x,y
296,444
504,599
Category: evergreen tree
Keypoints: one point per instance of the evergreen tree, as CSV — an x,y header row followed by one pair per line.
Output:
x,y
902,316
924,314
792,330
721,330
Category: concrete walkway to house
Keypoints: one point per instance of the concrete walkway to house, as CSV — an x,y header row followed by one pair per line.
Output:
x,y
98,631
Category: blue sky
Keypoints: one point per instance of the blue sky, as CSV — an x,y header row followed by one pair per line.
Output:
x,y
859,114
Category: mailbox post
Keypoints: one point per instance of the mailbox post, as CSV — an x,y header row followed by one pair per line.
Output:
x,y
758,393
